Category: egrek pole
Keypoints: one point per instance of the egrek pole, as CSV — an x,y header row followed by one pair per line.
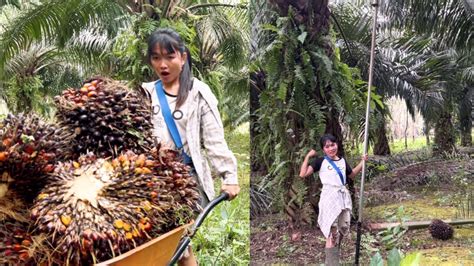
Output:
x,y
375,5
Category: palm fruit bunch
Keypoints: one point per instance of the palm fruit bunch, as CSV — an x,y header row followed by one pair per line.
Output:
x,y
96,208
29,149
17,245
106,117
14,239
14,242
441,230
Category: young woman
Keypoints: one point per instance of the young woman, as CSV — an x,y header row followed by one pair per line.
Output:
x,y
335,205
193,108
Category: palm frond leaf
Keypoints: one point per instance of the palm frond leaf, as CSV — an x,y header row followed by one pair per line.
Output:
x,y
54,21
450,21
30,62
15,3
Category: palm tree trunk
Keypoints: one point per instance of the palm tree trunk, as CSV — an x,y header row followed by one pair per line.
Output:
x,y
257,84
314,16
293,210
381,146
333,127
426,131
444,134
465,117
406,129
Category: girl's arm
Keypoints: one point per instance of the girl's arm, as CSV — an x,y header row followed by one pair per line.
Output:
x,y
306,169
358,168
218,153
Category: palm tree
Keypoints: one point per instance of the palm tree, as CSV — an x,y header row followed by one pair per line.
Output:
x,y
394,75
447,26
38,39
303,91
108,37
56,22
23,89
412,51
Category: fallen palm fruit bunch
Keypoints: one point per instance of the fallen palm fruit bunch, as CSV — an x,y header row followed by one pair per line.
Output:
x,y
441,230
29,149
94,209
106,117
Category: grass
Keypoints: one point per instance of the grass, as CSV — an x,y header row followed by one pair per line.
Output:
x,y
223,238
418,143
417,210
398,145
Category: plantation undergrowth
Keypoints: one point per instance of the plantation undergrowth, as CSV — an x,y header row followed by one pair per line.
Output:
x,y
223,239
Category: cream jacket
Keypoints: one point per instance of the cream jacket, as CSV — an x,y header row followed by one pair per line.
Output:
x,y
205,137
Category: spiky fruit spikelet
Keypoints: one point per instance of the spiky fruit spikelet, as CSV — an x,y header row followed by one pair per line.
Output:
x,y
29,148
106,117
94,209
441,230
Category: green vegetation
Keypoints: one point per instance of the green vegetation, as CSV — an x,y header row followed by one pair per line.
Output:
x,y
48,46
309,76
417,143
412,144
397,258
397,146
223,239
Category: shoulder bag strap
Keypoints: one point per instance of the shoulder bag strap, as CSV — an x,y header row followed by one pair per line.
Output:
x,y
336,168
170,124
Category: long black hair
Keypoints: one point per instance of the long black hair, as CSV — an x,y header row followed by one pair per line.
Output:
x,y
170,40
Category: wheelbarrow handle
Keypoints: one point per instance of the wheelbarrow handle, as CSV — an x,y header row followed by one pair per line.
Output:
x,y
199,220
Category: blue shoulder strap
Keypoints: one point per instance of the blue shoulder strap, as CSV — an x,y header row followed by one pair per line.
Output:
x,y
170,124
336,168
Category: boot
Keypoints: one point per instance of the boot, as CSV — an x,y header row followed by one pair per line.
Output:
x,y
332,257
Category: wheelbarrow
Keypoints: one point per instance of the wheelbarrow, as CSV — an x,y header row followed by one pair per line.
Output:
x,y
168,248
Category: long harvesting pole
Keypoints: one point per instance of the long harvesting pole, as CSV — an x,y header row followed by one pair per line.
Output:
x,y
375,5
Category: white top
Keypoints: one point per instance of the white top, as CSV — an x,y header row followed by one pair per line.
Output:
x,y
160,130
334,196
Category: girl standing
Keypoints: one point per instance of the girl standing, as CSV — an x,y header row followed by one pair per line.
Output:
x,y
335,205
185,116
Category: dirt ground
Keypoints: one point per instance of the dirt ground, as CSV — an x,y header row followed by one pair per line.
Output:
x,y
273,241
429,192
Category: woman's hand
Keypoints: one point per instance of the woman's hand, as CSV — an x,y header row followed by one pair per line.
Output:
x,y
365,158
358,168
232,190
311,153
